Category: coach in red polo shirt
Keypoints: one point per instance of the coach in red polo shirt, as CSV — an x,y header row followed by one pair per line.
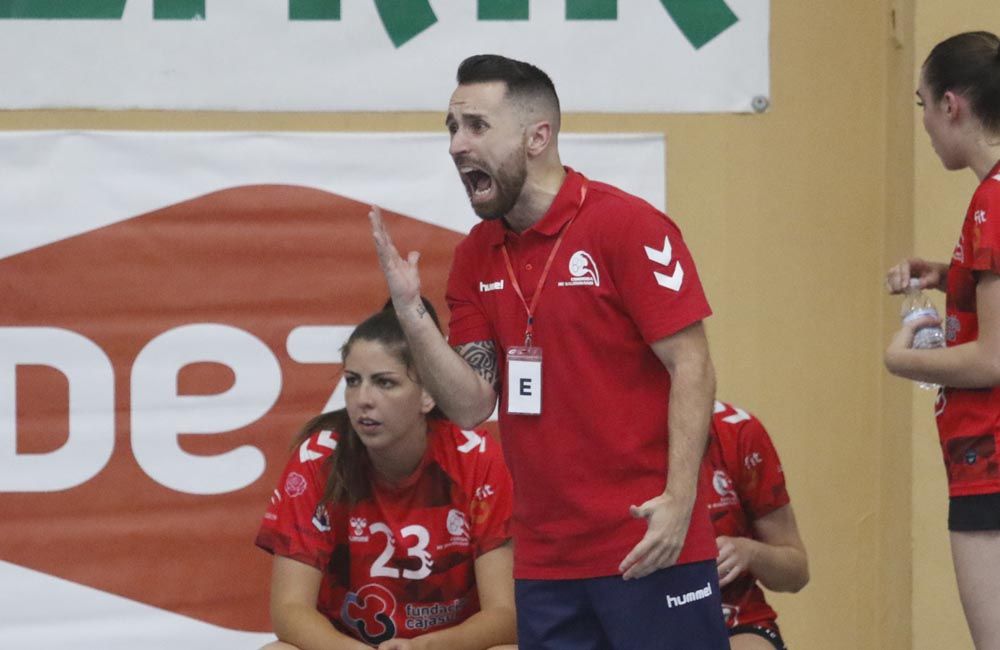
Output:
x,y
579,306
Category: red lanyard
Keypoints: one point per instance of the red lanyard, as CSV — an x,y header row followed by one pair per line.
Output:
x,y
530,327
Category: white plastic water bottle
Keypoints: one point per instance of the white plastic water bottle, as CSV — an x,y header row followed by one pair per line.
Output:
x,y
917,305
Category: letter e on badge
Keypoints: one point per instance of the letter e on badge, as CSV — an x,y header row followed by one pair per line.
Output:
x,y
524,380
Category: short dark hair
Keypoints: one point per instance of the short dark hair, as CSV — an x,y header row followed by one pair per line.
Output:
x,y
523,80
968,64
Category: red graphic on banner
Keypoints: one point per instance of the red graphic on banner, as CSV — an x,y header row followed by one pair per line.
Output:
x,y
253,263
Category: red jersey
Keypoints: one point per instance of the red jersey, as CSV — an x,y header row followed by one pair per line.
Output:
x,y
748,483
401,563
969,419
621,279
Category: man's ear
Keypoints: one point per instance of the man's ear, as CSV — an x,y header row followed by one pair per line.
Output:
x,y
539,136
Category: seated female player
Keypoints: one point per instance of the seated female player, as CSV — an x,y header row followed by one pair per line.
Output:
x,y
755,528
389,524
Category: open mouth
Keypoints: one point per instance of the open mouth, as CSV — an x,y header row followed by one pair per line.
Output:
x,y
478,184
367,424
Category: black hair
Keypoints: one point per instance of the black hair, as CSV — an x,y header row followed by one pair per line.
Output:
x,y
349,469
968,64
524,80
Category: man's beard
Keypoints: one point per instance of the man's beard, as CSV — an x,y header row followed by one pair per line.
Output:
x,y
508,182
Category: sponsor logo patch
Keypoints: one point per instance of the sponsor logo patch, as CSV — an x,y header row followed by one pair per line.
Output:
x,y
369,612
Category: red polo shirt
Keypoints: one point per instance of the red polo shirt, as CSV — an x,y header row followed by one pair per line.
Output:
x,y
621,279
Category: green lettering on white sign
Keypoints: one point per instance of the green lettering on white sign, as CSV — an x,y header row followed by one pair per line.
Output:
x,y
502,10
314,9
404,19
97,9
179,9
591,9
699,20
69,9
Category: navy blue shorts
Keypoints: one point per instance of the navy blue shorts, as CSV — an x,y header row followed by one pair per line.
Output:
x,y
678,608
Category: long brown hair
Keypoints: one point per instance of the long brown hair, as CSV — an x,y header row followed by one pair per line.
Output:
x,y
348,477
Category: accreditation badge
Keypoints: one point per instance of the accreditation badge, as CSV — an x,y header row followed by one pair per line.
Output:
x,y
524,380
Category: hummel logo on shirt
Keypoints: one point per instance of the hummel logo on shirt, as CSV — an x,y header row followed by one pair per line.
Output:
x,y
492,286
690,597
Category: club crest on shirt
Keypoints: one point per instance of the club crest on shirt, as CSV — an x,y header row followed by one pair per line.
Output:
x,y
723,485
458,527
457,524
584,271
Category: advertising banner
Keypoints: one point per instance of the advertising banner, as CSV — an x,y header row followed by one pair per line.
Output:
x,y
173,310
651,56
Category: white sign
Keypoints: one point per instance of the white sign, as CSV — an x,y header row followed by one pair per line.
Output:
x,y
118,253
364,55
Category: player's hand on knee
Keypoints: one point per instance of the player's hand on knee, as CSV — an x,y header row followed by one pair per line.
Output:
x,y
735,555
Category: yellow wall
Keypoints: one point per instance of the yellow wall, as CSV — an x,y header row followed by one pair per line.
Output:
x,y
793,217
893,627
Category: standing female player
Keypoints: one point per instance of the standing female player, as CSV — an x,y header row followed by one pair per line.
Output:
x,y
389,523
960,95
755,527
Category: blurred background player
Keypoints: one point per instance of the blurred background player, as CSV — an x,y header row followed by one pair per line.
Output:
x,y
756,532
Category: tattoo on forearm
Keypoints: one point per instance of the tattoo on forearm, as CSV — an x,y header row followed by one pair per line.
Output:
x,y
421,310
482,357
